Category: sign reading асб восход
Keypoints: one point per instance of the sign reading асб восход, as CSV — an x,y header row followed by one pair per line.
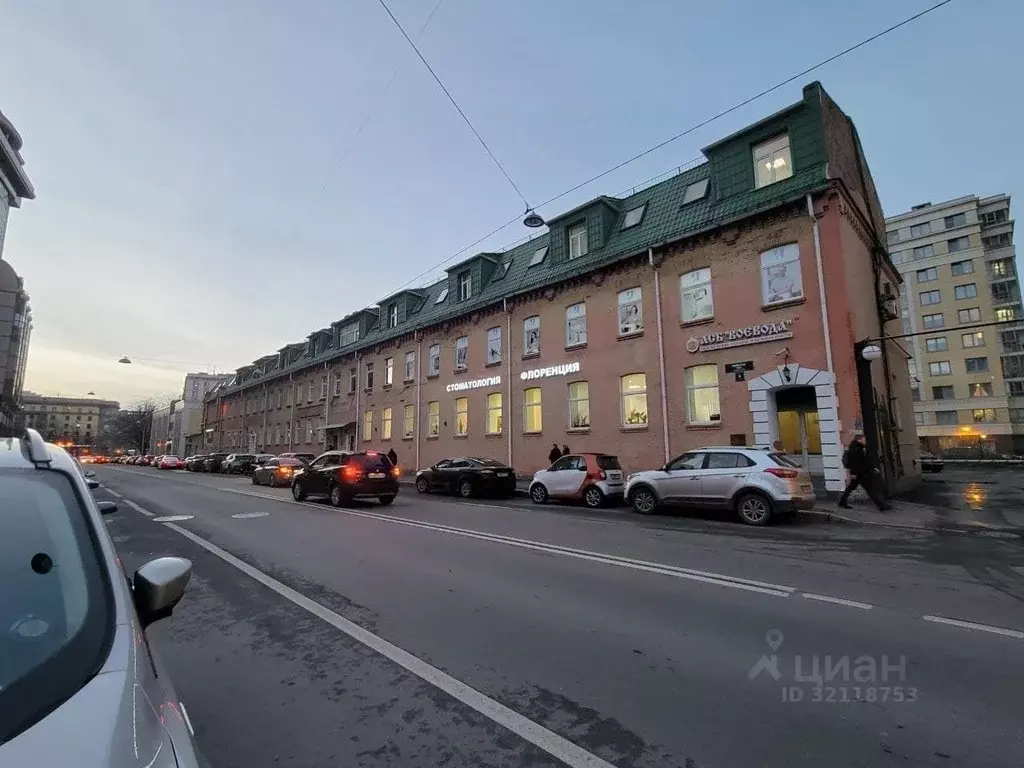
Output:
x,y
739,337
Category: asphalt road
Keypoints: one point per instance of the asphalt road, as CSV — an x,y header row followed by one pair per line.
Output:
x,y
441,633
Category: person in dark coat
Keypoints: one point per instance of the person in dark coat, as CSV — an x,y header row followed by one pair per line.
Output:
x,y
554,454
393,457
862,473
565,449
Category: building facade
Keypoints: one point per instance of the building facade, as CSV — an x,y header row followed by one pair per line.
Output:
x,y
15,314
962,302
177,427
724,305
79,421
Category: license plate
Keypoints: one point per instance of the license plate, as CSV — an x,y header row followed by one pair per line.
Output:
x,y
503,474
376,475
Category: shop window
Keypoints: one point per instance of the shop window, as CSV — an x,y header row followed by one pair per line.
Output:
x,y
695,296
532,416
531,335
780,274
631,311
702,397
433,418
368,425
462,416
409,422
633,393
385,424
576,325
461,353
494,413
434,360
493,345
579,405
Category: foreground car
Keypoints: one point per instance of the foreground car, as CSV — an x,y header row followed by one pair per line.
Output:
x,y
931,463
276,471
343,476
594,478
79,684
468,477
756,484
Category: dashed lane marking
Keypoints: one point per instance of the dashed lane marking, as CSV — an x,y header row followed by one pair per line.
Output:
x,y
112,492
837,601
137,508
979,627
250,515
173,518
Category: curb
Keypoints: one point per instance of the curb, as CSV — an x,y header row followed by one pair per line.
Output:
x,y
962,528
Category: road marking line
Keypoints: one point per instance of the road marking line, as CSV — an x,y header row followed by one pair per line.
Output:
x,y
112,492
186,718
249,515
837,601
173,518
549,741
980,627
137,508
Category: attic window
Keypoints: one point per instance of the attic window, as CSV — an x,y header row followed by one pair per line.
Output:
x,y
578,240
502,269
441,296
392,315
634,217
538,256
695,191
772,161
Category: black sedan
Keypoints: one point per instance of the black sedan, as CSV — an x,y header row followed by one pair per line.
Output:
x,y
468,476
277,471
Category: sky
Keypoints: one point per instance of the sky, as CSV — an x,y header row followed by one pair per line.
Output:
x,y
205,195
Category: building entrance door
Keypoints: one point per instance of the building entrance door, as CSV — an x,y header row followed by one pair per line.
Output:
x,y
799,431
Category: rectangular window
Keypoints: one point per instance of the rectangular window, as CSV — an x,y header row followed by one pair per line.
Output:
x,y
493,345
392,315
962,267
1000,268
976,339
389,371
943,393
579,405
920,230
280,398
309,392
972,315
633,394
494,413
385,424
634,216
969,291
369,376
353,380
924,252
695,296
898,257
531,335
958,244
919,419
695,191
940,368
462,416
349,334
576,325
780,274
288,395
410,366
578,242
930,297
983,415
976,364
368,425
772,161
461,353
1002,293
981,389
323,388
933,321
433,418
465,285
434,360
1006,313
892,236
927,275
936,344
532,416
538,256
702,398
945,418
337,385
956,220
1015,388
631,311
409,422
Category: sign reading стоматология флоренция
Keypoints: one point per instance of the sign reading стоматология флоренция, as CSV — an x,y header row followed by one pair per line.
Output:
x,y
461,386
553,370
738,337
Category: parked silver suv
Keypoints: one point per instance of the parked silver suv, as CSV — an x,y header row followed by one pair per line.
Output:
x,y
756,483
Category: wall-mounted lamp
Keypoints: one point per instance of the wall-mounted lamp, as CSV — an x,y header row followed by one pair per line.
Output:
x,y
786,374
871,352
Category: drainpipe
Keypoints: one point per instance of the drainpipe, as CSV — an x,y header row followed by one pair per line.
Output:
x,y
327,406
264,435
821,286
291,412
661,353
359,416
508,375
416,421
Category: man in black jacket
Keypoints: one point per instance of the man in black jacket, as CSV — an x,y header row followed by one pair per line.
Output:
x,y
862,473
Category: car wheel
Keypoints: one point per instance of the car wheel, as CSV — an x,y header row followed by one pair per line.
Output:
x,y
337,496
465,489
644,501
272,483
422,485
593,497
254,480
298,492
538,493
754,509
385,500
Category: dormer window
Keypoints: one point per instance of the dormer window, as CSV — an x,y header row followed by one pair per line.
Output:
x,y
349,334
772,161
441,296
392,315
578,240
465,286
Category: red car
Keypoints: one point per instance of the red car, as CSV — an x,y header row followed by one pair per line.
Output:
x,y
171,462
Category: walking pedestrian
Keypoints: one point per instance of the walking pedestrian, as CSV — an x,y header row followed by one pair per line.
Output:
x,y
393,457
554,454
565,449
862,473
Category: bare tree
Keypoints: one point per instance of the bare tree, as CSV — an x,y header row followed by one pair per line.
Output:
x,y
130,429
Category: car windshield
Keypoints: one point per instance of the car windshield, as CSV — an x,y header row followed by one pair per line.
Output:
x,y
54,606
608,462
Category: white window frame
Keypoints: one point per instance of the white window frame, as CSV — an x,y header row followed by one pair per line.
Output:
x,y
579,242
576,324
389,371
631,311
393,315
309,391
385,423
778,158
349,334
494,407
337,385
775,259
920,230
941,344
494,345
692,389
465,285
966,287
642,417
694,288
353,380
531,345
968,263
579,404
461,408
940,315
973,336
434,360
368,425
409,421
368,376
528,409
940,368
462,350
433,418
410,366
933,297
323,387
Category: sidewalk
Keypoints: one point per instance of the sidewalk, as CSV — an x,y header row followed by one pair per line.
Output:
x,y
906,514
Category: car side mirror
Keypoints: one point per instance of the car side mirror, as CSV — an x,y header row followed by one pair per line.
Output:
x,y
158,586
106,507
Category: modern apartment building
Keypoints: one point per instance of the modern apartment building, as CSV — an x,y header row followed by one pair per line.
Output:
x,y
727,304
177,427
15,315
76,420
962,295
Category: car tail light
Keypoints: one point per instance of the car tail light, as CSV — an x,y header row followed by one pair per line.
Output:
x,y
597,475
396,472
789,474
350,472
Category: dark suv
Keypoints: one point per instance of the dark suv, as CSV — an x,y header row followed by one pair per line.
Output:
x,y
214,462
343,476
